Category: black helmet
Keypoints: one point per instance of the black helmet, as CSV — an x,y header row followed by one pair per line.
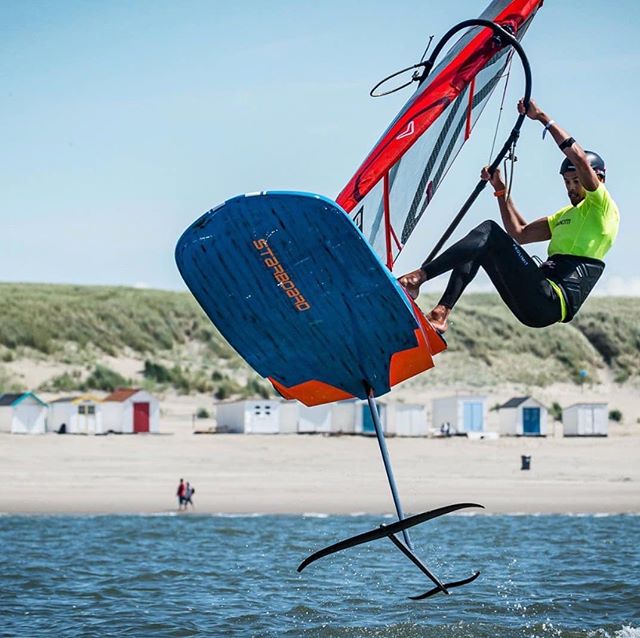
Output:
x,y
597,164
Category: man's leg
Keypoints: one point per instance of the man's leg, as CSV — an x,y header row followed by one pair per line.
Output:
x,y
463,258
469,249
523,286
515,275
460,277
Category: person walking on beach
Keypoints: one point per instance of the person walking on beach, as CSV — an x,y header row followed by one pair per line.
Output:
x,y
581,234
188,494
180,493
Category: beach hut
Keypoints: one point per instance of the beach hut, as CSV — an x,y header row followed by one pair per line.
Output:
x,y
364,420
586,419
406,419
22,413
343,417
461,414
523,416
346,417
130,411
398,419
257,416
316,419
78,415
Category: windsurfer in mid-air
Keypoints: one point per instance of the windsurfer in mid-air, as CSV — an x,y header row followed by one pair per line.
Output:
x,y
580,234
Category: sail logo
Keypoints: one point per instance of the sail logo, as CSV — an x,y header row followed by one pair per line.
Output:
x,y
521,256
408,131
280,275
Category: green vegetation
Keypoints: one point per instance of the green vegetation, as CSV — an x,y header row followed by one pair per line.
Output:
x,y
227,389
182,379
157,372
65,382
556,411
202,413
256,387
82,326
105,379
7,383
45,318
612,327
101,378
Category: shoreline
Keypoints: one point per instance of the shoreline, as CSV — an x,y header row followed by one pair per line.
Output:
x,y
382,515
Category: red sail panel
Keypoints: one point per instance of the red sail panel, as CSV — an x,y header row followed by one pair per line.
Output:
x,y
476,52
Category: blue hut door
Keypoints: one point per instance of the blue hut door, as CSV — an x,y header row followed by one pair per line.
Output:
x,y
531,420
367,419
473,416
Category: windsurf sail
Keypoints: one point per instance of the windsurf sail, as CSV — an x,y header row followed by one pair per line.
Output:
x,y
395,184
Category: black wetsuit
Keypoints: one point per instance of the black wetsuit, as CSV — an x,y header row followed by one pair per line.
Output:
x,y
523,285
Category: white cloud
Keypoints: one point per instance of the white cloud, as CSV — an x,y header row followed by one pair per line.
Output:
x,y
617,286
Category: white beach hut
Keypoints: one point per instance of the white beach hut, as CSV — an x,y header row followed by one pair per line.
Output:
x,y
22,413
398,419
406,419
586,419
78,415
346,417
130,411
343,417
523,416
314,420
257,416
461,414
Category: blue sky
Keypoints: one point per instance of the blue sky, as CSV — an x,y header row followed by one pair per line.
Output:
x,y
121,122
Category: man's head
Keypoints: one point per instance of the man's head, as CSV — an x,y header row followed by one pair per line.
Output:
x,y
574,187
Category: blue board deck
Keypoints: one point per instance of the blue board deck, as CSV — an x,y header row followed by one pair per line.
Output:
x,y
293,285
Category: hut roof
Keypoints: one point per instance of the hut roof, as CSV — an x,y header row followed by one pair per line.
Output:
x,y
78,399
514,402
121,394
9,398
594,404
13,398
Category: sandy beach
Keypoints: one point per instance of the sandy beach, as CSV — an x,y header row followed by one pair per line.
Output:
x,y
313,473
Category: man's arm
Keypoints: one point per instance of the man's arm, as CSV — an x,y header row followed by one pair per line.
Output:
x,y
514,223
537,230
574,152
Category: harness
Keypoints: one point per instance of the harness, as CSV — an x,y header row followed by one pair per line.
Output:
x,y
575,277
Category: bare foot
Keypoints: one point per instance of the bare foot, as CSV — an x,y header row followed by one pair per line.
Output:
x,y
412,281
439,318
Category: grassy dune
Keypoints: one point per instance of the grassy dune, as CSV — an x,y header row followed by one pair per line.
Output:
x,y
46,317
82,325
488,345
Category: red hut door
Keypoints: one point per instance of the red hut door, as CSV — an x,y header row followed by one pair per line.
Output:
x,y
140,417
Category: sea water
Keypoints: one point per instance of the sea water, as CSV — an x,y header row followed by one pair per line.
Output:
x,y
191,575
